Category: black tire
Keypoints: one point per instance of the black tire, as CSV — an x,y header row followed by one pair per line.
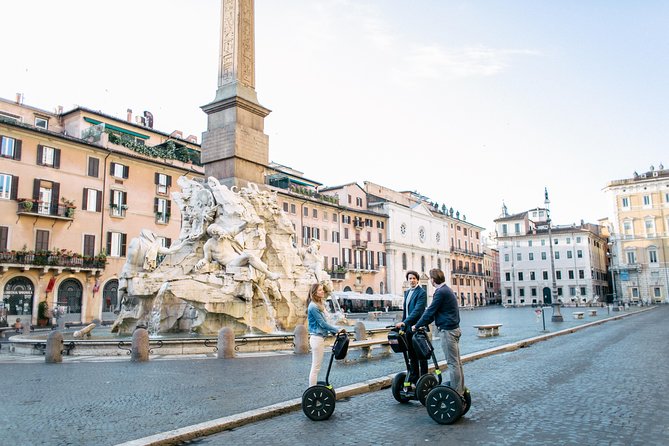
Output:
x,y
468,402
318,402
424,385
397,386
444,405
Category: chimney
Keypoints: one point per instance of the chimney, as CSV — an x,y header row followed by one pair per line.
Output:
x,y
59,110
19,98
130,115
177,134
149,118
192,138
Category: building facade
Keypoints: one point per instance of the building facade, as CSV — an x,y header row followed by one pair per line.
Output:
x,y
526,271
640,236
75,188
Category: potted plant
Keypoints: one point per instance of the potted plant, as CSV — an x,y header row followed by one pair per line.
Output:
x,y
42,313
26,205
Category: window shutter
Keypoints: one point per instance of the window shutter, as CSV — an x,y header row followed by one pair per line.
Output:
x,y
55,197
17,149
169,180
98,203
109,240
169,207
156,178
123,240
4,233
124,198
40,154
168,242
36,183
15,188
56,158
89,245
126,171
84,200
111,168
155,205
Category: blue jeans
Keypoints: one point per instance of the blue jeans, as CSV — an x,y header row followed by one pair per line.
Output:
x,y
450,342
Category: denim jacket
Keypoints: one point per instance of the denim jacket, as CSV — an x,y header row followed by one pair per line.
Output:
x,y
317,324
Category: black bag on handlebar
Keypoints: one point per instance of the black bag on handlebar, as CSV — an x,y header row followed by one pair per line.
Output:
x,y
422,345
340,346
397,341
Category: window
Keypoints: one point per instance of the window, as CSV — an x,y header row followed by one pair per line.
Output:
x,y
162,182
558,275
657,292
570,254
8,186
358,201
93,167
578,239
628,228
48,156
631,257
335,237
647,201
532,276
345,233
519,256
649,224
10,148
119,170
4,238
41,240
325,216
531,256
559,290
380,237
89,245
508,277
579,253
92,200
305,211
520,276
572,291
118,202
543,255
314,213
529,243
543,242
504,229
625,202
581,274
506,257
293,209
516,227
533,292
41,122
285,207
116,244
47,192
568,240
583,291
652,256
555,241
162,207
557,255
325,235
545,275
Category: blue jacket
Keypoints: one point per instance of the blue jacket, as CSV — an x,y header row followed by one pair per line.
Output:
x,y
443,310
317,324
416,307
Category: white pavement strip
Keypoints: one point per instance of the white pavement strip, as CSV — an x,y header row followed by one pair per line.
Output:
x,y
187,433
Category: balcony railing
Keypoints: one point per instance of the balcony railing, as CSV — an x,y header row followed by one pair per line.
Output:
x,y
45,209
359,244
337,275
467,272
47,258
466,252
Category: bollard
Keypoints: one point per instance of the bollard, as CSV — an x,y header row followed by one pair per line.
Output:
x,y
140,346
360,331
54,348
226,343
301,340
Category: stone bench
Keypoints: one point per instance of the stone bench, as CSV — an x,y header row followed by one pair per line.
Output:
x,y
367,345
592,312
578,314
485,331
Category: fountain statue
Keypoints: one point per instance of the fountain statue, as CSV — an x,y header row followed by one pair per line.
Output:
x,y
234,265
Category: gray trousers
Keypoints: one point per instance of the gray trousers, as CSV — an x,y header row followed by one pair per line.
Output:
x,y
450,343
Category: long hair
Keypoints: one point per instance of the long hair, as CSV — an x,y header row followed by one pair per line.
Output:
x,y
313,297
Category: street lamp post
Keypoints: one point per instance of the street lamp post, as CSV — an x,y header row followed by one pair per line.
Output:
x,y
557,316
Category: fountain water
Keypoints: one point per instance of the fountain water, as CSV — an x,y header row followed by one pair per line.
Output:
x,y
156,311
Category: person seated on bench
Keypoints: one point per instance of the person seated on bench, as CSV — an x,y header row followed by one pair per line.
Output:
x,y
18,326
415,301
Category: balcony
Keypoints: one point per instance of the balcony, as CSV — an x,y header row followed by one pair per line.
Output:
x,y
360,268
46,260
467,272
337,275
39,208
466,252
358,244
118,210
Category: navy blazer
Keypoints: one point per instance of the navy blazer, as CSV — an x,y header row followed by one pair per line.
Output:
x,y
416,306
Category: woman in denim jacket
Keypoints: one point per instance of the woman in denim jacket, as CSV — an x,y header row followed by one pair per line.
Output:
x,y
318,329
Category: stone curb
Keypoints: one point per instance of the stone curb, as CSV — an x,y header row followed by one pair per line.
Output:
x,y
181,435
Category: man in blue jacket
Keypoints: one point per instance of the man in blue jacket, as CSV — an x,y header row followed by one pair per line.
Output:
x,y
415,301
444,312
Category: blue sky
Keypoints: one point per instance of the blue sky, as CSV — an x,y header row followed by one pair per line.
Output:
x,y
467,102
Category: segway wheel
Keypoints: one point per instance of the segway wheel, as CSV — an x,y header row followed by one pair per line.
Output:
x,y
424,385
444,405
468,401
397,386
318,402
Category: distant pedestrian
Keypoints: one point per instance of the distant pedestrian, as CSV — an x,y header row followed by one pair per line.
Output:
x,y
18,326
444,311
318,329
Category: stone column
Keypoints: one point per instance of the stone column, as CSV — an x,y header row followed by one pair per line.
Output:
x,y
226,343
301,340
54,348
140,346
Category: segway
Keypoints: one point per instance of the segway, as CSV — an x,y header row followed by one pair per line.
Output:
x,y
445,405
401,388
318,402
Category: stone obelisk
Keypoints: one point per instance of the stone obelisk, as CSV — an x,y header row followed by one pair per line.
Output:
x,y
235,148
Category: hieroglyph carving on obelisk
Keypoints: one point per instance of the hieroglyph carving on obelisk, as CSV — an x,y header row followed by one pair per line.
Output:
x,y
237,58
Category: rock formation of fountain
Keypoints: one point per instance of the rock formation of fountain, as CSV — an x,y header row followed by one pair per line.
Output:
x,y
234,265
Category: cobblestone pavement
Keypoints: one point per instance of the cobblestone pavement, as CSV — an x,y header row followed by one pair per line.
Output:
x,y
606,385
84,401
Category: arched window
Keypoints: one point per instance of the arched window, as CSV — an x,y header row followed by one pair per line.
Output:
x,y
422,264
404,261
18,297
347,288
110,296
70,293
369,290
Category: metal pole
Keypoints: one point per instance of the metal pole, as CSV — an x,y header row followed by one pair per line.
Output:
x,y
557,316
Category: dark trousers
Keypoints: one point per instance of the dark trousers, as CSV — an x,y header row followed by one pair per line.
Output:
x,y
418,366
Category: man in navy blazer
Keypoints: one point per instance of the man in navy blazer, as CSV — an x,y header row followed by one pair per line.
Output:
x,y
415,301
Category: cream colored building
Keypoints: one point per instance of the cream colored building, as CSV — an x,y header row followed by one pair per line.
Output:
x,y
75,188
639,243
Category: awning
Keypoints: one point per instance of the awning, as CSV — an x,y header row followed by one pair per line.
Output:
x,y
352,295
116,129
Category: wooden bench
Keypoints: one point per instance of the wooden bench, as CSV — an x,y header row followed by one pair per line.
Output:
x,y
367,345
578,314
592,312
488,330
